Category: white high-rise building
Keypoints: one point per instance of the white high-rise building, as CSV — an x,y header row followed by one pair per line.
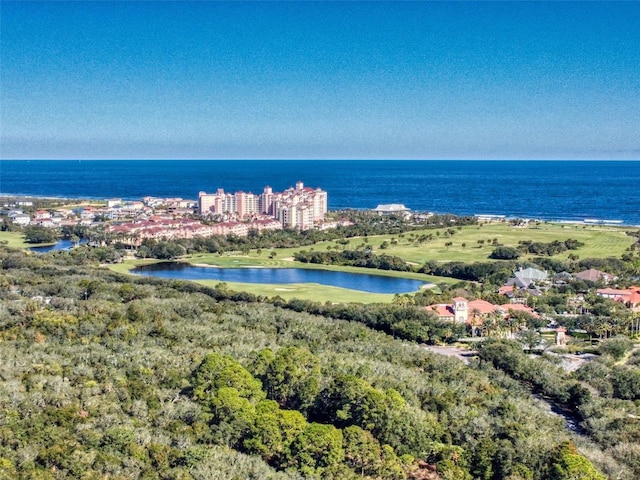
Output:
x,y
300,207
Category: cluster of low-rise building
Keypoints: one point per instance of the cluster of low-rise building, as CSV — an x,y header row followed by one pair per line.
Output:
x,y
526,284
114,209
131,222
42,218
166,228
143,209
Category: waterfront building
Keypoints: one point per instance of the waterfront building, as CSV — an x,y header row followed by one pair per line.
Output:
x,y
20,218
246,204
392,209
297,207
41,215
266,201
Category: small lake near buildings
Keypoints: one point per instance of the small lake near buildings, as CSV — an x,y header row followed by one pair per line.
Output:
x,y
59,245
352,281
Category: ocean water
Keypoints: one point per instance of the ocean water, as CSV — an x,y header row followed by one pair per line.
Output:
x,y
548,190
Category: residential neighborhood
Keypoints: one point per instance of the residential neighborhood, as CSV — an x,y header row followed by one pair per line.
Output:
x,y
131,222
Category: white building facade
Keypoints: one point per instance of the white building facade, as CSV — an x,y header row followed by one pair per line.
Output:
x,y
301,208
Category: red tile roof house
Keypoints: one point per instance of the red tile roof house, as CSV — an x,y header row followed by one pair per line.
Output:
x,y
471,313
630,297
518,307
507,289
41,215
634,299
514,294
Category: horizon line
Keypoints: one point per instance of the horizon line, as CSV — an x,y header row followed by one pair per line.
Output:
x,y
328,159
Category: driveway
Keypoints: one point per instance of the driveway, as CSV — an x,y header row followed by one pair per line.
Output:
x,y
450,351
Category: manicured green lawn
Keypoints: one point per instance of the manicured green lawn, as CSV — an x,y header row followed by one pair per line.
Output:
x,y
307,291
599,241
14,240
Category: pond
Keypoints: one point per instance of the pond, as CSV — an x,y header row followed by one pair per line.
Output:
x,y
353,281
59,245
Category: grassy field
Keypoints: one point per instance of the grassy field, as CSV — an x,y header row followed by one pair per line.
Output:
x,y
307,291
85,203
599,242
14,240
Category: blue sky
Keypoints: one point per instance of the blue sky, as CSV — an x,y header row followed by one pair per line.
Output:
x,y
424,80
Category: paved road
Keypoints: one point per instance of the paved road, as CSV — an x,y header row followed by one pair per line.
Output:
x,y
572,361
450,351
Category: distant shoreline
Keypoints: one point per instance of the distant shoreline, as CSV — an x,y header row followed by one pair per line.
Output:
x,y
481,217
563,191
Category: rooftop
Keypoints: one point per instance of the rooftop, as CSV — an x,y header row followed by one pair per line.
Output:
x,y
391,207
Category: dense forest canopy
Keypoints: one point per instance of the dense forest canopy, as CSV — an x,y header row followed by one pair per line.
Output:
x,y
107,375
112,376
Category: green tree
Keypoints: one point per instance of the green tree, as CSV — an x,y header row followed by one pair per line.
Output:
x,y
39,234
292,378
234,414
617,346
217,371
362,451
260,361
570,465
505,253
274,431
529,338
626,382
318,450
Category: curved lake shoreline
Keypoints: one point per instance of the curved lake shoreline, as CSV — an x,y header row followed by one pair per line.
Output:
x,y
364,282
58,245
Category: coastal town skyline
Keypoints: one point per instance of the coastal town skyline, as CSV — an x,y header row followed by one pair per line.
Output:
x,y
239,213
310,80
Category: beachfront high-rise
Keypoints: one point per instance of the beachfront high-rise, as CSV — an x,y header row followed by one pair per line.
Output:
x,y
300,207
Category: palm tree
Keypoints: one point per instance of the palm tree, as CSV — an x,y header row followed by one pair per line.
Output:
x,y
474,321
635,323
513,322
